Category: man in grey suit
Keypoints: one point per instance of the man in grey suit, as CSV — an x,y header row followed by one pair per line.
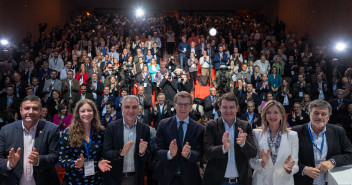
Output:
x,y
70,87
51,84
28,148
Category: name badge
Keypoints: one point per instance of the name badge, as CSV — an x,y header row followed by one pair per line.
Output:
x,y
301,94
145,84
89,168
293,73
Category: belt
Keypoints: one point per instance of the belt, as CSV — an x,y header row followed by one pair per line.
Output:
x,y
128,174
232,180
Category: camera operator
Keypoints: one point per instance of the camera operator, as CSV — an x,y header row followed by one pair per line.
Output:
x,y
171,64
169,87
128,73
184,84
223,82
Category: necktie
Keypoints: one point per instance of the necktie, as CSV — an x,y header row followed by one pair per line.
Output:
x,y
213,99
180,133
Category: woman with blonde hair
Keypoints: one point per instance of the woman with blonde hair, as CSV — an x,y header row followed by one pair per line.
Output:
x,y
81,146
277,148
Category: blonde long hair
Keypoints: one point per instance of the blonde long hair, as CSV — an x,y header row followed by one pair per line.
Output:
x,y
76,128
283,125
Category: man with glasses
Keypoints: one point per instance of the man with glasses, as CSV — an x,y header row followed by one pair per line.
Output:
x,y
179,145
322,146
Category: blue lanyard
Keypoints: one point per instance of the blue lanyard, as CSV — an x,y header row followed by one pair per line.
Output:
x,y
250,117
322,143
87,146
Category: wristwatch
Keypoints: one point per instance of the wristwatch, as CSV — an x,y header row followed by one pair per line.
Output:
x,y
333,161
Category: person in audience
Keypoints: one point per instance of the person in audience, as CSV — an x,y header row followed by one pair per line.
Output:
x,y
110,115
339,107
82,74
169,86
184,84
297,116
263,87
179,152
70,87
63,118
95,87
193,68
204,62
250,116
315,156
211,107
104,99
51,84
225,138
145,100
300,88
153,68
268,96
81,146
184,48
45,114
275,81
263,64
83,95
277,148
319,89
247,96
9,101
32,159
220,58
160,110
126,143
305,103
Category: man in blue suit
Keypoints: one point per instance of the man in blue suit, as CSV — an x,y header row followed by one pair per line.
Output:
x,y
220,58
179,145
28,148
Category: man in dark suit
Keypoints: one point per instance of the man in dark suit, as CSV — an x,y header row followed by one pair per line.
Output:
x,y
82,95
145,100
179,146
10,100
160,110
28,148
339,107
103,100
220,58
315,157
169,86
228,145
252,117
297,116
95,87
125,145
263,87
247,96
211,107
69,89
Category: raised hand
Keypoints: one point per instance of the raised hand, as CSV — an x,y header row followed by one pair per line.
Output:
x,y
288,165
226,141
186,150
79,162
173,148
126,148
14,157
241,139
104,165
265,157
142,146
34,157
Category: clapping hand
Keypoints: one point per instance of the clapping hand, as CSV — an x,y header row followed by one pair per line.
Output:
x,y
126,148
14,157
226,141
186,150
265,157
311,172
33,157
173,148
288,165
79,162
241,139
142,146
325,166
104,165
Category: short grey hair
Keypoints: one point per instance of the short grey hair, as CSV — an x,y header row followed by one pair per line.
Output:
x,y
129,97
321,104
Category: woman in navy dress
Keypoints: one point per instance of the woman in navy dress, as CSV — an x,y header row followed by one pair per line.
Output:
x,y
81,146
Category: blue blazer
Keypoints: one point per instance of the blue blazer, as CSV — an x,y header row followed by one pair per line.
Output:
x,y
46,140
218,61
166,169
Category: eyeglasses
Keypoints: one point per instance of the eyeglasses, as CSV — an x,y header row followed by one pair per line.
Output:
x,y
184,105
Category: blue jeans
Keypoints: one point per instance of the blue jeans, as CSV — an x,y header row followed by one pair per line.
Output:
x,y
227,183
183,61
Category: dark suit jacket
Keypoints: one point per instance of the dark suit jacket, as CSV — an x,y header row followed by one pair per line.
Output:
x,y
158,116
65,89
147,103
98,90
338,114
166,169
77,97
262,92
208,106
113,144
244,117
339,149
15,103
46,140
243,101
217,160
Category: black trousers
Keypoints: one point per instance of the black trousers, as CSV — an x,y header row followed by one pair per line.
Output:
x,y
193,76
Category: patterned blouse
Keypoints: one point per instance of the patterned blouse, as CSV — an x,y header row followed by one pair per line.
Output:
x,y
274,144
68,156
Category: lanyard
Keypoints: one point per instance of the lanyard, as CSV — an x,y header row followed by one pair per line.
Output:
x,y
87,146
250,117
311,138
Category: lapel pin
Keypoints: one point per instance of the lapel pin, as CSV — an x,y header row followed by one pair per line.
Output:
x,y
40,132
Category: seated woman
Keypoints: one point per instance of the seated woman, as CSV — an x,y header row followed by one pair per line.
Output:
x,y
81,146
277,148
63,118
